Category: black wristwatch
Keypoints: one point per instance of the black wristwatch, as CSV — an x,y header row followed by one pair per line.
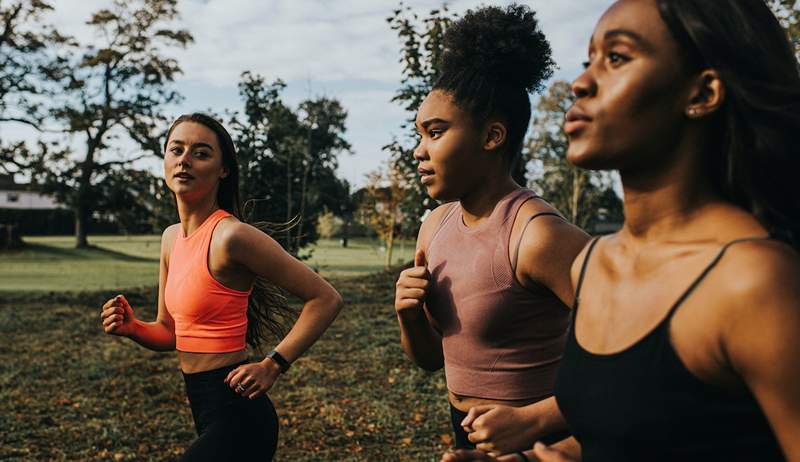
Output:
x,y
283,364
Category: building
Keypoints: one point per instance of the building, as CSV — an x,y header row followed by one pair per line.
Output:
x,y
23,196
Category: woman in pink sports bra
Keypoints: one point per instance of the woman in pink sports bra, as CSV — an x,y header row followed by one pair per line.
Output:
x,y
217,293
486,297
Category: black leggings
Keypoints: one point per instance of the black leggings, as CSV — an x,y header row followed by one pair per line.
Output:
x,y
229,427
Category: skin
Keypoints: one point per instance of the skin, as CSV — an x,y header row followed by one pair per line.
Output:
x,y
639,111
238,253
461,161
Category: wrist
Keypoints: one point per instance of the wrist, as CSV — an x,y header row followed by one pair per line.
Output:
x,y
276,360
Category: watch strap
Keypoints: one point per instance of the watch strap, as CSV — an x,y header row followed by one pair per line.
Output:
x,y
278,358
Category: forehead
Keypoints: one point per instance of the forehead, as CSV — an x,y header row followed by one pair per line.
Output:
x,y
641,17
439,104
192,133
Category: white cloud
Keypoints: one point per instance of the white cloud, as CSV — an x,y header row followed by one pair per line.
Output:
x,y
344,48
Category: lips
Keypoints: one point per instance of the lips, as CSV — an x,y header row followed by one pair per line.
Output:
x,y
575,120
426,175
183,175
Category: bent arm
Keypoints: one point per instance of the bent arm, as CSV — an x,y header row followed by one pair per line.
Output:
x,y
158,335
421,343
264,257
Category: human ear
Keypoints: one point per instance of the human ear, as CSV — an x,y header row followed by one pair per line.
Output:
x,y
496,134
707,95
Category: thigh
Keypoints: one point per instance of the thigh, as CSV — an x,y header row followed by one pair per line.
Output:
x,y
245,431
461,440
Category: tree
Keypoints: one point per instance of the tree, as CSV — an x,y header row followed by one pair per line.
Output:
x,y
422,45
382,204
117,89
585,197
788,12
302,145
30,67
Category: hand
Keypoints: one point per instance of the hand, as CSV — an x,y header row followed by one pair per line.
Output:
x,y
499,429
255,378
545,453
471,455
117,317
412,287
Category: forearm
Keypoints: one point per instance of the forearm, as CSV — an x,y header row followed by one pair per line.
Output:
x,y
570,447
421,343
316,316
545,417
153,335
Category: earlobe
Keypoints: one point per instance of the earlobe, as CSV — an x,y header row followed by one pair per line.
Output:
x,y
708,95
496,134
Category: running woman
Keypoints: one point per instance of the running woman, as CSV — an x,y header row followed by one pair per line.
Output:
x,y
218,291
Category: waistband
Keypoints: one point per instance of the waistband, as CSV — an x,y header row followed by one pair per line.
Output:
x,y
209,377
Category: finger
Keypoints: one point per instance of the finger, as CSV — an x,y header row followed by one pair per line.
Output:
x,y
255,392
415,294
547,454
413,283
474,413
477,436
419,258
109,303
463,455
111,320
237,377
407,303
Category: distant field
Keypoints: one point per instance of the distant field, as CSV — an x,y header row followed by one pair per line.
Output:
x,y
50,264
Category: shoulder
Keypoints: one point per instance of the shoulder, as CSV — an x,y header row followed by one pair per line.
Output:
x,y
168,237
758,293
546,236
432,222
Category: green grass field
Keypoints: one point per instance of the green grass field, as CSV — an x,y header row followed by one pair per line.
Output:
x,y
51,264
68,392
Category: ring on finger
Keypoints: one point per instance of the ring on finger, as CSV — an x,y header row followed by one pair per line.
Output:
x,y
240,388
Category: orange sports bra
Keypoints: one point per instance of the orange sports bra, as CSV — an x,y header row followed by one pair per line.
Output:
x,y
209,317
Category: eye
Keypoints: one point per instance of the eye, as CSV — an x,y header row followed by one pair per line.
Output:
x,y
586,64
435,132
201,154
176,150
616,58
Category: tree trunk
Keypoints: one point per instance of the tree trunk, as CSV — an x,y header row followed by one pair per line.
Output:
x,y
390,243
576,194
289,200
345,232
82,203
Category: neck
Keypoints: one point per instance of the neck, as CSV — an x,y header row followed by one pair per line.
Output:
x,y
193,213
659,204
477,205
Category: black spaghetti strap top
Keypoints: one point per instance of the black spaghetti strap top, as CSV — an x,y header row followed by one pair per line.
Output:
x,y
642,404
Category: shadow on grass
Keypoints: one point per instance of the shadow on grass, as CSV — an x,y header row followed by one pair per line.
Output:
x,y
91,252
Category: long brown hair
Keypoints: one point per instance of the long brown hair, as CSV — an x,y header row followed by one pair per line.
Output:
x,y
268,310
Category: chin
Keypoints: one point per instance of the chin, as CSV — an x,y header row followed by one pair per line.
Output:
x,y
584,157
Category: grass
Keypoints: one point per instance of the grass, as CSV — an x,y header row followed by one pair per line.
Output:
x,y
68,392
51,264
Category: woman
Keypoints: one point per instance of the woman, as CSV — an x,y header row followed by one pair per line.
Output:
x,y
684,340
485,299
217,291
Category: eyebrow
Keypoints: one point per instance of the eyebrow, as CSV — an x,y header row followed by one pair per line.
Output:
x,y
428,122
613,33
197,145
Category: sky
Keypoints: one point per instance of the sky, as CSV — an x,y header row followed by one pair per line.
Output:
x,y
342,49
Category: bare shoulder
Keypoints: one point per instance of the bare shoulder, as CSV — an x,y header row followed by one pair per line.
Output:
x,y
546,237
758,295
234,235
431,224
168,237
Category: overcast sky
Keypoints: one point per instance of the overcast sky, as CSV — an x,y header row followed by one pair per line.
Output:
x,y
342,49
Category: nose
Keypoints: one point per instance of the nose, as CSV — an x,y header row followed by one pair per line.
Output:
x,y
420,152
585,85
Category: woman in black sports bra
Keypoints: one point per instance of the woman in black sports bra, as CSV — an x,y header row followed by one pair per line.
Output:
x,y
685,342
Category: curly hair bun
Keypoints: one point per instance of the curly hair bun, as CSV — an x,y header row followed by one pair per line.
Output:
x,y
503,44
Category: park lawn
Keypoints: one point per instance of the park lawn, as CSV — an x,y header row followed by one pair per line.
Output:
x,y
68,392
120,263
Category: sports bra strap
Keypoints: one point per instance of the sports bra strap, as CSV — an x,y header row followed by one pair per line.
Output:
x,y
583,271
707,270
519,242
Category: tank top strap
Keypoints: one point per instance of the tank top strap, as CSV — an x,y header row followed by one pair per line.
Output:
x,y
452,208
699,279
210,225
582,274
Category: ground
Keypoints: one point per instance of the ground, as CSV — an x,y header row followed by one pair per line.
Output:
x,y
70,392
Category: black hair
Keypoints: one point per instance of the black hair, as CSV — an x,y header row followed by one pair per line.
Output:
x,y
493,57
757,125
267,308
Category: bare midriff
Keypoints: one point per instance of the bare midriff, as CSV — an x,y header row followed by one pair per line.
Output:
x,y
201,362
464,403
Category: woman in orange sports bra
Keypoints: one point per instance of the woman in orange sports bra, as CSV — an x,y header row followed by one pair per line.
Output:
x,y
217,293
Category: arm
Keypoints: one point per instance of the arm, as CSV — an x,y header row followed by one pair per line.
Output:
x,y
419,335
547,248
261,255
119,319
760,339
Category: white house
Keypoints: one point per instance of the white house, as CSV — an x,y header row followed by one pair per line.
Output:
x,y
23,196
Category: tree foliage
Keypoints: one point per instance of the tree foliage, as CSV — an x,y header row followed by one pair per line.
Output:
x,y
788,12
381,204
584,196
422,45
288,158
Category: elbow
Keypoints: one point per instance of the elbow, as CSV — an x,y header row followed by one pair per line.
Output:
x,y
334,302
